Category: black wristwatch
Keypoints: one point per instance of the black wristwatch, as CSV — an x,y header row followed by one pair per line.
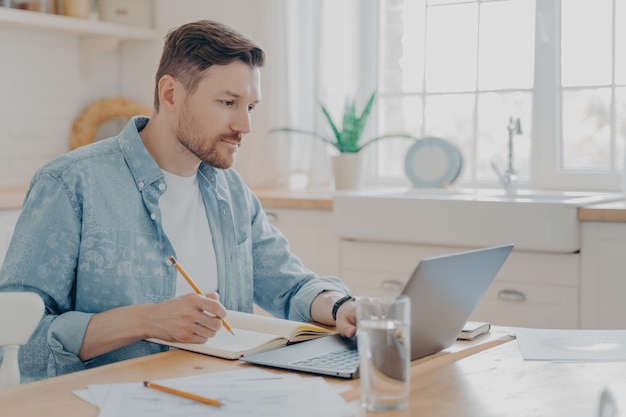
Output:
x,y
339,303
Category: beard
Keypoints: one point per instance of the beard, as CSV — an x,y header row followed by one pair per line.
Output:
x,y
209,150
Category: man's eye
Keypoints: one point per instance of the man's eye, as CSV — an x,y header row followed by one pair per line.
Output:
x,y
251,109
228,102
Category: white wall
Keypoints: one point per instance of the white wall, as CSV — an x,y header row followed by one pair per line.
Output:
x,y
41,91
46,79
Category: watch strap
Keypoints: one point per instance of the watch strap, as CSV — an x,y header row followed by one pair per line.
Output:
x,y
339,303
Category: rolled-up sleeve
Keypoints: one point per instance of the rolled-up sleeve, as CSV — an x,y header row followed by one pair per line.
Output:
x,y
65,337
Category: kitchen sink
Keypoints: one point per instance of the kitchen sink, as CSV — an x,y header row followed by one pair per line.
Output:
x,y
539,220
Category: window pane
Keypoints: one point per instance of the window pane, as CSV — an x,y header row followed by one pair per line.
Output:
x,y
586,129
402,52
620,42
620,126
339,62
451,48
586,42
507,33
451,117
494,112
396,114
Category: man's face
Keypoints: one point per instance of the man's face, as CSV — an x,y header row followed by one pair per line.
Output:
x,y
213,120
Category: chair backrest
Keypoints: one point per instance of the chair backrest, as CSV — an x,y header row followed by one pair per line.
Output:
x,y
20,313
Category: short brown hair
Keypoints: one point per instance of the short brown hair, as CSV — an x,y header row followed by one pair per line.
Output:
x,y
192,48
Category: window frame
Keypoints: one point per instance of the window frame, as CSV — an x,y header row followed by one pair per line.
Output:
x,y
545,163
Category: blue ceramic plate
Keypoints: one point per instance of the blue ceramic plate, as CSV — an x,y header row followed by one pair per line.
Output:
x,y
433,162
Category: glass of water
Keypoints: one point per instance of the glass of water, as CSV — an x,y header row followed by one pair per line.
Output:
x,y
384,339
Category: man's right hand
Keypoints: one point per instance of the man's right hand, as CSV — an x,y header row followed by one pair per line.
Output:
x,y
189,318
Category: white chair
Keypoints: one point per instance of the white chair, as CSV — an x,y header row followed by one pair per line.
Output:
x,y
20,313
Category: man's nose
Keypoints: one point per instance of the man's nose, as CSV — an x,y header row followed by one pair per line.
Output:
x,y
242,122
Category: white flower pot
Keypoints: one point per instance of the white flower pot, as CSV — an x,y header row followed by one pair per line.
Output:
x,y
347,169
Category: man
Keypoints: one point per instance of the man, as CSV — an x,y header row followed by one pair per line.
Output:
x,y
99,223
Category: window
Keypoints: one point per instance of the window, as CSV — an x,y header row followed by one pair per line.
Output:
x,y
594,118
460,69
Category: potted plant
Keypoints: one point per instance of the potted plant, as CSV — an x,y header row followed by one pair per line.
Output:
x,y
348,140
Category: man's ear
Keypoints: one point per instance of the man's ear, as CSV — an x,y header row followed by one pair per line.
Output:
x,y
167,87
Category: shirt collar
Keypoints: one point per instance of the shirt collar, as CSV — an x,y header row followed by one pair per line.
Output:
x,y
142,165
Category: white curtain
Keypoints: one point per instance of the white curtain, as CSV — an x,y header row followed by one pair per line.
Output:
x,y
309,156
325,53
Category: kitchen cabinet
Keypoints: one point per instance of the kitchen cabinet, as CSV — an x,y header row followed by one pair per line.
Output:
x,y
603,275
539,284
8,219
311,236
533,289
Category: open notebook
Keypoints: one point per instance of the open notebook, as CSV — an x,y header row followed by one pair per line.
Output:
x,y
253,333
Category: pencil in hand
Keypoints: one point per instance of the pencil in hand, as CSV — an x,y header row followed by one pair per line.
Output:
x,y
195,288
205,400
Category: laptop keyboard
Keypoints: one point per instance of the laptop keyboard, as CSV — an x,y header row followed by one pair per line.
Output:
x,y
340,360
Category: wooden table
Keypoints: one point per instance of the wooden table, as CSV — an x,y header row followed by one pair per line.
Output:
x,y
498,382
54,398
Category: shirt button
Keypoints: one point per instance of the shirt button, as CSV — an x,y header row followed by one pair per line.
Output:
x,y
161,186
141,184
153,216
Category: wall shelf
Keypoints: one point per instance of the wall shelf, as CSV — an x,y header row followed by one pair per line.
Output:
x,y
22,19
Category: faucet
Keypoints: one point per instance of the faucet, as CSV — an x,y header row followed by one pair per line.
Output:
x,y
508,179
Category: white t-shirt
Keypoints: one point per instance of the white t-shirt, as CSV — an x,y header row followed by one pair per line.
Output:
x,y
186,225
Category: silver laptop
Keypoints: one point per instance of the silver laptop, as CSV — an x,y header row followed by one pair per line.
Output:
x,y
444,291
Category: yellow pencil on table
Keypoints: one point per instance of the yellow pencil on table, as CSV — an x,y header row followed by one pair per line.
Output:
x,y
183,394
195,287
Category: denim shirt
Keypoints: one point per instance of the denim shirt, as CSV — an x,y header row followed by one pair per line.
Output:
x,y
90,239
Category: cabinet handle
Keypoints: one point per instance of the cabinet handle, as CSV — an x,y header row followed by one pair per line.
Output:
x,y
392,284
512,295
271,216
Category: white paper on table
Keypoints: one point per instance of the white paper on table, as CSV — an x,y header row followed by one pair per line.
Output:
x,y
85,395
571,345
96,394
244,392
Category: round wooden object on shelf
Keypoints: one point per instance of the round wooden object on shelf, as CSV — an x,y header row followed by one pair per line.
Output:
x,y
85,126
